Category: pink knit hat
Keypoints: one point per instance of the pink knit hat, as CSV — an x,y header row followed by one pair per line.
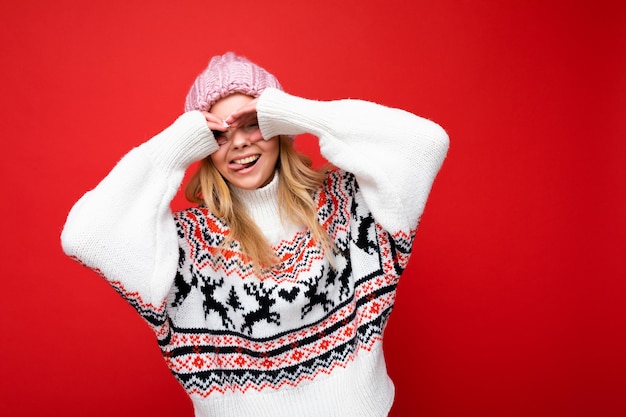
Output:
x,y
225,75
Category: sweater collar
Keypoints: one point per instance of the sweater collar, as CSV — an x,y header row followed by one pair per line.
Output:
x,y
261,203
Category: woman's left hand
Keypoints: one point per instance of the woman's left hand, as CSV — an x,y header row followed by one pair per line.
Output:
x,y
243,116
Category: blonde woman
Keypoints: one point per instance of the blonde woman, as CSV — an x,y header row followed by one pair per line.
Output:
x,y
269,297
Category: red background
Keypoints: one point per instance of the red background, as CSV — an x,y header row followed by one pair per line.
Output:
x,y
514,301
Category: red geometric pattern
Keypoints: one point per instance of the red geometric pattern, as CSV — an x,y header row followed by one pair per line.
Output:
x,y
222,329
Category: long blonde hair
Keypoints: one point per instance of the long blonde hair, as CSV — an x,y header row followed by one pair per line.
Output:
x,y
298,181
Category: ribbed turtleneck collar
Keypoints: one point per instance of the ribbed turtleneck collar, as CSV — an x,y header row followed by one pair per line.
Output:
x,y
262,206
261,203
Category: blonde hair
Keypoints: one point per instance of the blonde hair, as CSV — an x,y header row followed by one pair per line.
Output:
x,y
297,183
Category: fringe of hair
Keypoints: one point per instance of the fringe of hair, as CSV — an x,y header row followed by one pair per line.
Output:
x,y
298,181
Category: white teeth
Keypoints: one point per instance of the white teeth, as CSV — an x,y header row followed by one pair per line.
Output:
x,y
246,160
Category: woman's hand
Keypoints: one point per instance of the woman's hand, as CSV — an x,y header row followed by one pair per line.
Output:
x,y
217,125
245,116
243,119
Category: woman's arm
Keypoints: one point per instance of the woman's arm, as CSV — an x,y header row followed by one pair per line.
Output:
x,y
394,154
124,227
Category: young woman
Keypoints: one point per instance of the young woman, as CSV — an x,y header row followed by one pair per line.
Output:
x,y
270,298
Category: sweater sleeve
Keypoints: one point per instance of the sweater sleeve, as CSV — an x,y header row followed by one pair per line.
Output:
x,y
124,228
393,154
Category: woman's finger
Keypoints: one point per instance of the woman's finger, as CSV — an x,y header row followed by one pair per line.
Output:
x,y
214,122
244,115
255,136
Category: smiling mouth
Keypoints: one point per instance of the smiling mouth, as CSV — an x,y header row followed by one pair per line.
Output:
x,y
247,162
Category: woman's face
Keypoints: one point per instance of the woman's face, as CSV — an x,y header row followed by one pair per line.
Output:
x,y
244,158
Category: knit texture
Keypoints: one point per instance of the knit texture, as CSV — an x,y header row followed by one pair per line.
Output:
x,y
304,339
225,75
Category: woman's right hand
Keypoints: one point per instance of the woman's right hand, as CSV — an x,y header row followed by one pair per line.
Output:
x,y
217,125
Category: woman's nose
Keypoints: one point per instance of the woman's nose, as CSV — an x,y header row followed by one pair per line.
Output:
x,y
239,138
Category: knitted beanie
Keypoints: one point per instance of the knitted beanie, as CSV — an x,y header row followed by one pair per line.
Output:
x,y
225,75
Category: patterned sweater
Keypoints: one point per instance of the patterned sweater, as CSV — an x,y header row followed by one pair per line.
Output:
x,y
304,339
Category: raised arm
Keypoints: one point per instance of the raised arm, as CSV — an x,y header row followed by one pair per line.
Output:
x,y
394,154
124,227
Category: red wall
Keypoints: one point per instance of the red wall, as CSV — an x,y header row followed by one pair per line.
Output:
x,y
513,304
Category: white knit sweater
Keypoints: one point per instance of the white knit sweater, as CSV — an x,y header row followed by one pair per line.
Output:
x,y
304,340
